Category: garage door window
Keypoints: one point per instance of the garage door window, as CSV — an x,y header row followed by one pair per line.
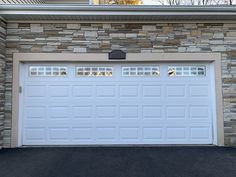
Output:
x,y
94,71
174,71
141,71
46,71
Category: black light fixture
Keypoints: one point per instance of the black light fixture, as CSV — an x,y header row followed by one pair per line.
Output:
x,y
117,55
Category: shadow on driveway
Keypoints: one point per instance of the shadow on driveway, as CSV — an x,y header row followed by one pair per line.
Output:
x,y
118,162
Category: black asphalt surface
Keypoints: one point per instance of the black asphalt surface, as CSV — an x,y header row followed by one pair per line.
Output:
x,y
118,162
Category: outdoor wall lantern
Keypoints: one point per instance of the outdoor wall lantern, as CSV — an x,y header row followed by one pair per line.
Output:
x,y
117,55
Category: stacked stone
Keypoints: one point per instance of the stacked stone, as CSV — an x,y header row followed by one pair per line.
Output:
x,y
132,38
2,77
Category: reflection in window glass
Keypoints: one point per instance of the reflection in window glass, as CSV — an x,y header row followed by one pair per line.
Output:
x,y
94,71
47,71
186,71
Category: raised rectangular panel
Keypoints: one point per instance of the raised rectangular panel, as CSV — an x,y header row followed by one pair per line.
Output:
x,y
35,112
128,111
34,134
129,91
35,91
82,111
199,112
105,111
175,112
151,112
198,91
58,91
82,91
200,133
151,91
152,133
81,133
176,133
58,133
105,133
129,133
105,91
58,112
175,91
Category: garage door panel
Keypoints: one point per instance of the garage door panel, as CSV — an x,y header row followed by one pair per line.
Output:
x,y
82,133
35,123
56,112
128,90
200,112
106,111
187,101
35,91
82,91
128,112
35,112
92,99
106,91
175,112
106,133
58,91
35,102
35,135
200,133
176,91
151,91
152,133
129,133
82,112
151,112
199,90
117,109
176,133
58,133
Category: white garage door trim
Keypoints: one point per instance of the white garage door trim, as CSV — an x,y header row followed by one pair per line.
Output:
x,y
18,58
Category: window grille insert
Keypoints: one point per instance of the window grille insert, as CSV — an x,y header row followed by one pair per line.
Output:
x,y
94,71
193,71
141,71
47,71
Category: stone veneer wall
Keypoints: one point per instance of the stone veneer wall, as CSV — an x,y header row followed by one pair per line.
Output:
x,y
2,76
132,38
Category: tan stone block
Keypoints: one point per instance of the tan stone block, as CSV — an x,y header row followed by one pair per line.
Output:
x,y
149,27
167,29
195,33
73,26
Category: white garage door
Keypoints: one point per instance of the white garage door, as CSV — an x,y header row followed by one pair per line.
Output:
x,y
70,104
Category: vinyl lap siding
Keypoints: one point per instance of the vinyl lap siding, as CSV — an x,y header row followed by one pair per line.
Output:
x,y
44,1
22,1
67,1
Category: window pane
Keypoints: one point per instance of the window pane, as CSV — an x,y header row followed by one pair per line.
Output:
x,y
45,71
94,71
186,71
140,71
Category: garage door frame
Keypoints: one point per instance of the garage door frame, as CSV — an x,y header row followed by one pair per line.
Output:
x,y
214,58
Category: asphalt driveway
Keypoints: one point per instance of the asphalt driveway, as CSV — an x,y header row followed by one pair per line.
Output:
x,y
118,162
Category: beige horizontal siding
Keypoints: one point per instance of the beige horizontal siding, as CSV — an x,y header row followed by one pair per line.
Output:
x,y
67,1
22,1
